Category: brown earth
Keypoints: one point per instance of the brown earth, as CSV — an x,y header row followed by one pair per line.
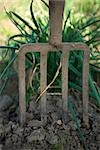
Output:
x,y
55,135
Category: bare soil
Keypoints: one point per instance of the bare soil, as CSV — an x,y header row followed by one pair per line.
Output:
x,y
55,135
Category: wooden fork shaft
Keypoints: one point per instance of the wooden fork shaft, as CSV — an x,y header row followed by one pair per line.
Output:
x,y
56,8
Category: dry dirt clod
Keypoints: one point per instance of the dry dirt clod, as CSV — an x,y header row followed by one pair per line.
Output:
x,y
35,123
36,135
52,139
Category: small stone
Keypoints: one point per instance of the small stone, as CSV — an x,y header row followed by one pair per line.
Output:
x,y
59,122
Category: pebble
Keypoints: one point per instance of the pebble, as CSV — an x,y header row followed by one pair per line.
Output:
x,y
59,122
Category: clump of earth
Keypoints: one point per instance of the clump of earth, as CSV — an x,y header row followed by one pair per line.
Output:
x,y
54,135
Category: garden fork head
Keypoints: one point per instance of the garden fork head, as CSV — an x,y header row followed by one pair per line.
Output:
x,y
56,8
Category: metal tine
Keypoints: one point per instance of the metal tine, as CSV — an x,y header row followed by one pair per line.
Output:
x,y
22,99
85,87
65,57
43,84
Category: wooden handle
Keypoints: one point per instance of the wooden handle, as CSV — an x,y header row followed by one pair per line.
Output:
x,y
56,8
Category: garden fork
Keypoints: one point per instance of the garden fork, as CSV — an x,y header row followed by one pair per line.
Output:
x,y
56,8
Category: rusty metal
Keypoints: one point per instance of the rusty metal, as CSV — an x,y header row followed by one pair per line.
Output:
x,y
55,44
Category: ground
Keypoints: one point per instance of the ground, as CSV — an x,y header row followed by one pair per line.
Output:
x,y
55,135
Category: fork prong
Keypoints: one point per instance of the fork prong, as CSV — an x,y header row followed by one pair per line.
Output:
x,y
43,84
65,57
22,99
85,87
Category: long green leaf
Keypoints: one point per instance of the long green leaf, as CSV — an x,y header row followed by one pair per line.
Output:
x,y
7,67
45,3
33,18
22,20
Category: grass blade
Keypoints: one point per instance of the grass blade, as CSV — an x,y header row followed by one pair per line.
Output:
x,y
33,18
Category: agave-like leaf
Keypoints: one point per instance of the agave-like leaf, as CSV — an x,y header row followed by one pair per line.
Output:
x,y
90,22
22,20
68,16
33,18
7,67
74,70
8,47
20,28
